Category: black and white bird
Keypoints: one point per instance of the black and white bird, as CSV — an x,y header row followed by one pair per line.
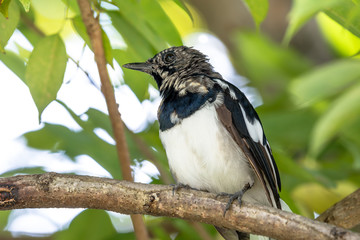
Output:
x,y
212,135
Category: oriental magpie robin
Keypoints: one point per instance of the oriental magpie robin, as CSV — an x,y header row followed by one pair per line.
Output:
x,y
212,135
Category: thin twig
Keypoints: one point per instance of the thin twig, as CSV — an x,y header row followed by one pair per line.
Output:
x,y
92,82
69,191
94,31
28,22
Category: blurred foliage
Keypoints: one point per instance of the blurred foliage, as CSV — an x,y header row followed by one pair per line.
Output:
x,y
258,9
342,40
9,19
98,221
311,113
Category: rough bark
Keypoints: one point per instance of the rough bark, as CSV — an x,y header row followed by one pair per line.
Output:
x,y
345,213
70,191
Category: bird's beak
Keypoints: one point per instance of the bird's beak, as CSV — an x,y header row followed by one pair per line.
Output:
x,y
143,67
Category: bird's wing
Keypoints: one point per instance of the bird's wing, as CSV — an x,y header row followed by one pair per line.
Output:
x,y
241,120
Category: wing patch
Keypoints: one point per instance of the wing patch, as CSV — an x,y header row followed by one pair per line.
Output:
x,y
243,124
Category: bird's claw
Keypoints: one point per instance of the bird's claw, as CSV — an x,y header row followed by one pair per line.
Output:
x,y
177,186
238,195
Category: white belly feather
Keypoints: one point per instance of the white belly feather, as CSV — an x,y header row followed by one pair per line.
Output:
x,y
202,154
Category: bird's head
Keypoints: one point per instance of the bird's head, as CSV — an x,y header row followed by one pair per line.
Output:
x,y
175,65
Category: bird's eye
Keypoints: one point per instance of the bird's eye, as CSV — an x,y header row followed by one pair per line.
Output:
x,y
169,57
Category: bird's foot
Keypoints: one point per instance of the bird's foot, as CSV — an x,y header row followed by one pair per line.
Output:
x,y
177,186
238,195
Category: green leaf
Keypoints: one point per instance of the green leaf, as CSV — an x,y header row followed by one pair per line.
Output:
x,y
8,24
151,138
23,52
57,138
343,112
341,40
258,10
15,63
32,36
74,7
280,130
29,170
351,134
348,15
26,4
264,57
98,119
290,167
45,70
155,16
324,81
129,10
81,30
132,37
303,10
137,81
83,124
90,224
268,64
107,48
186,231
183,6
354,149
4,7
3,221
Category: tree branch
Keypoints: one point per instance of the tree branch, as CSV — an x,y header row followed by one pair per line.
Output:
x,y
93,29
345,213
70,191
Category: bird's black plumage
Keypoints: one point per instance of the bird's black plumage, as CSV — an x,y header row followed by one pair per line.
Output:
x,y
256,148
184,106
233,151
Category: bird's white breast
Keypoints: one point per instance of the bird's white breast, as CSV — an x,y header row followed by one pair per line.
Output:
x,y
203,155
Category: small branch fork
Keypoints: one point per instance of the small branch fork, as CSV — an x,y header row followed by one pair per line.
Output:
x,y
93,29
52,190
